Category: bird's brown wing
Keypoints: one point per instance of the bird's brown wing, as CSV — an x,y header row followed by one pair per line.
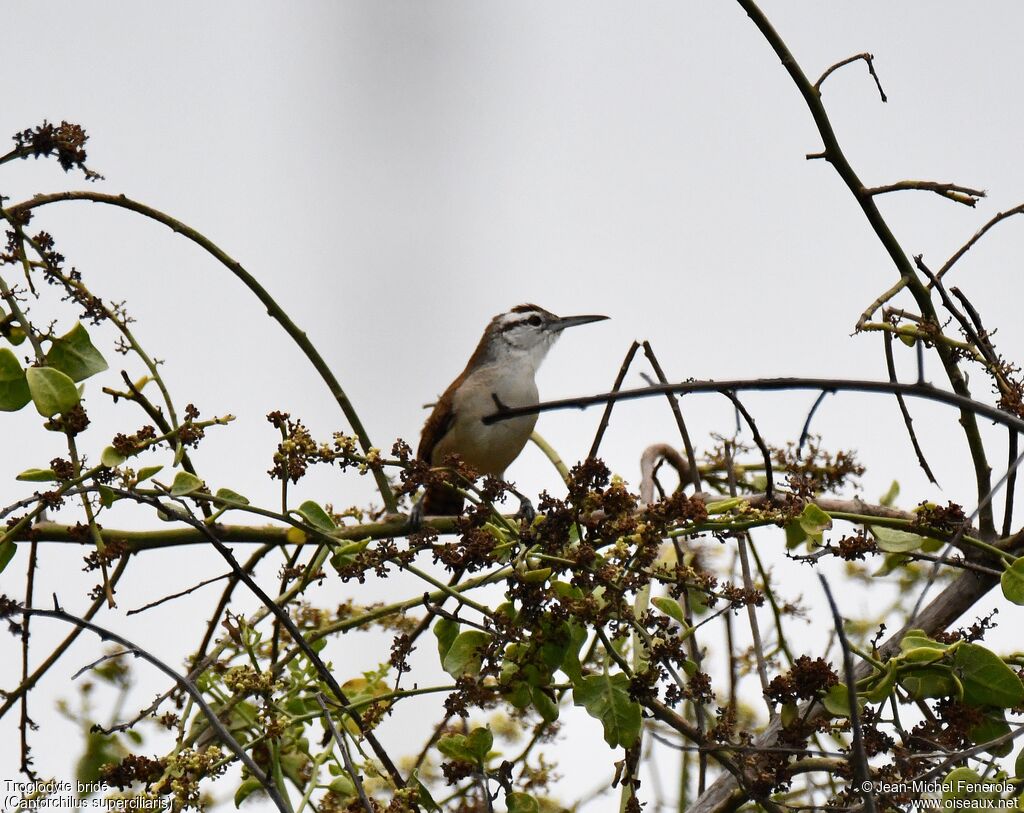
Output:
x,y
439,500
437,426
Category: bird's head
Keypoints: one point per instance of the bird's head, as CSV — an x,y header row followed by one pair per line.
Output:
x,y
528,331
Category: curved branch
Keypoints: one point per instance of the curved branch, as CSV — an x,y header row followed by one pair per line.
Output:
x,y
926,391
274,310
868,58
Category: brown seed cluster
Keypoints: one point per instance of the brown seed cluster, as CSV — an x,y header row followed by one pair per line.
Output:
x,y
66,141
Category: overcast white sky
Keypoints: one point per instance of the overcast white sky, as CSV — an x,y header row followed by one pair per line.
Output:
x,y
395,173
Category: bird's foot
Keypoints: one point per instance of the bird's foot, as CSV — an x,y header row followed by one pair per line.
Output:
x,y
527,513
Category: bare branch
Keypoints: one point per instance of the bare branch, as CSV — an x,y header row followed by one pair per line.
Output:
x,y
606,417
954,192
868,58
998,218
680,423
858,756
806,431
926,391
890,365
346,756
769,488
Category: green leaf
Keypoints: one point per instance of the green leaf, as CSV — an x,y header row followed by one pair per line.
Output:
x,y
931,681
463,658
479,742
107,496
37,476
987,680
343,555
918,639
1018,765
185,483
246,789
890,496
1012,581
963,784
571,663
316,516
794,535
231,496
7,551
74,355
455,746
538,576
146,472
446,631
670,607
892,540
111,457
52,391
991,728
814,522
606,697
14,392
521,803
837,701
546,707
343,786
884,686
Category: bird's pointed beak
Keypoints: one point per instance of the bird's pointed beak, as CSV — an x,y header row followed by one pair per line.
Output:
x,y
563,322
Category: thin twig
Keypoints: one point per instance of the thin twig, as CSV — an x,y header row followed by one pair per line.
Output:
x,y
868,58
748,585
610,404
25,722
12,697
858,755
881,300
961,531
193,691
345,755
102,659
998,218
954,192
806,431
769,486
1011,483
274,310
285,619
673,401
890,366
173,596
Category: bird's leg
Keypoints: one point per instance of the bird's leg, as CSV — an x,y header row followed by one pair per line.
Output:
x,y
416,514
527,513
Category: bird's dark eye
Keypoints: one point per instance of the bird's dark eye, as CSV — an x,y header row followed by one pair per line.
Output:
x,y
534,320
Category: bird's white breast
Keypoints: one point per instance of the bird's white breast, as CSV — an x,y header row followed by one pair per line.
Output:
x,y
490,448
